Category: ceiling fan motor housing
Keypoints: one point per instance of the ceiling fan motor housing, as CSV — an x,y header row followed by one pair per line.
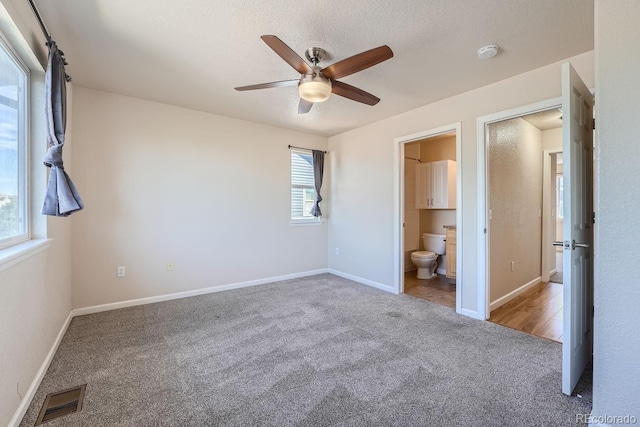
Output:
x,y
315,54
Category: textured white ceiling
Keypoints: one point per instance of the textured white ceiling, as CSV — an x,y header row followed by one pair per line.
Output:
x,y
545,120
193,53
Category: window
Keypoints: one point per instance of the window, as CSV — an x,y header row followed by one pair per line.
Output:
x,y
13,149
303,192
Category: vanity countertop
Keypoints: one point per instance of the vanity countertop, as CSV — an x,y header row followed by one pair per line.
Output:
x,y
449,226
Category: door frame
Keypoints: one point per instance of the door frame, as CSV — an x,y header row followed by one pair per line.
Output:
x,y
398,214
483,193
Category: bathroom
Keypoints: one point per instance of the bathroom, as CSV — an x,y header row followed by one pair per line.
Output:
x,y
430,208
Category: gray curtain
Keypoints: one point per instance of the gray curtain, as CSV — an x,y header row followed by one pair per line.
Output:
x,y
318,172
62,198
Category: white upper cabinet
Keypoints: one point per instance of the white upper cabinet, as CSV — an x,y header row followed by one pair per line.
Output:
x,y
436,185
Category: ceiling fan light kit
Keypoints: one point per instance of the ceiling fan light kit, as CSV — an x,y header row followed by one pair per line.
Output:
x,y
317,84
314,88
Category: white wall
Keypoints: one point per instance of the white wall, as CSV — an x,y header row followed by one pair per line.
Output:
x,y
35,294
362,189
161,183
35,302
616,370
552,139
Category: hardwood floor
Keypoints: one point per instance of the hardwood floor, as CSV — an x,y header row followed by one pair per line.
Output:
x,y
438,290
537,312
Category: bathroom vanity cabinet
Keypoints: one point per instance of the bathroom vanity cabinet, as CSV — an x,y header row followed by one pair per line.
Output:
x,y
451,252
436,185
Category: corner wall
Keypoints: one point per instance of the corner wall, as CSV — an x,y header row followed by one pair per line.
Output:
x,y
209,193
35,293
362,188
616,372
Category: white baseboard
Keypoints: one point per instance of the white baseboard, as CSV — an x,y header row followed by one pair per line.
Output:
x,y
367,282
196,292
552,272
441,271
31,392
511,295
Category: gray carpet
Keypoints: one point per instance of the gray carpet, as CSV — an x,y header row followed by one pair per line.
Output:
x,y
318,351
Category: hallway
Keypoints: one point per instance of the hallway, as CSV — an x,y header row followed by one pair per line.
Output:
x,y
537,312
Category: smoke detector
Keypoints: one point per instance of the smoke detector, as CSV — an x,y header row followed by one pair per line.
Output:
x,y
488,51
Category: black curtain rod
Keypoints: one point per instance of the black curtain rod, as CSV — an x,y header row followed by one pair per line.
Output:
x,y
302,148
44,29
50,41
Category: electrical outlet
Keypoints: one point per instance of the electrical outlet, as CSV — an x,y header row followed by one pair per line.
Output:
x,y
170,266
337,251
121,271
513,266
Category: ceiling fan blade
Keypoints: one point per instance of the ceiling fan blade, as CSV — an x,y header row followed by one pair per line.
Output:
x,y
286,53
358,62
354,93
271,84
304,106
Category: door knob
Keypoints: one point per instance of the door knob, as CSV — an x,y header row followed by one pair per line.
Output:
x,y
573,245
579,245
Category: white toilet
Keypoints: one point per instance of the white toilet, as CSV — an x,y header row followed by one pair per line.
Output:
x,y
427,260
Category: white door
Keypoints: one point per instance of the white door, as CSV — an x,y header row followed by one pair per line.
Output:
x,y
577,136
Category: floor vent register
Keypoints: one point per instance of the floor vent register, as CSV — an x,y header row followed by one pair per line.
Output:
x,y
61,403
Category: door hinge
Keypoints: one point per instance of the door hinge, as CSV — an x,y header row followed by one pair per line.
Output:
x,y
593,217
403,225
485,231
593,311
594,124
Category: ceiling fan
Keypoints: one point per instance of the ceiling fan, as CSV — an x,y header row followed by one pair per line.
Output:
x,y
316,84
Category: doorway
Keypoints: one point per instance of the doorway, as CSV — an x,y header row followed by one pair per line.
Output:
x,y
522,176
428,202
430,219
577,103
